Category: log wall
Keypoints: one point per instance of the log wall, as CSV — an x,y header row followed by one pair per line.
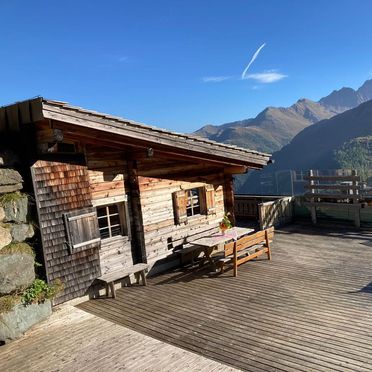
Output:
x,y
161,233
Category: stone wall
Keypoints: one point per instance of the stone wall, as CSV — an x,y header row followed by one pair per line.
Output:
x,y
17,261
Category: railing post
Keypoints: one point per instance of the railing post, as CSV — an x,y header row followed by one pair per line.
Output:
x,y
312,208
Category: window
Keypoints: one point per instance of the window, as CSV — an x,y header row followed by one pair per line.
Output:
x,y
111,220
193,202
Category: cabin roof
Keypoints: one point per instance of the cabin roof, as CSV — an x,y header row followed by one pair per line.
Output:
x,y
40,108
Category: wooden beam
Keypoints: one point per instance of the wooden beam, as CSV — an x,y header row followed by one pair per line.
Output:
x,y
135,203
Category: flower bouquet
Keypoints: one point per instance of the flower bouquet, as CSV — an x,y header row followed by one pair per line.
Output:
x,y
226,224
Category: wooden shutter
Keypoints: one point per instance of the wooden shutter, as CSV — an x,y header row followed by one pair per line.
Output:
x,y
179,206
210,205
81,228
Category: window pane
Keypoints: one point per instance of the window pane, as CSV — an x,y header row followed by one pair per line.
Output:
x,y
116,230
101,211
102,222
113,209
196,210
104,233
115,220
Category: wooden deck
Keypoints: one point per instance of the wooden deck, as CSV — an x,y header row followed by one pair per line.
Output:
x,y
72,340
309,309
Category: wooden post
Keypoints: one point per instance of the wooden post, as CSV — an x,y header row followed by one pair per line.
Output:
x,y
312,208
355,192
228,194
268,245
135,202
235,260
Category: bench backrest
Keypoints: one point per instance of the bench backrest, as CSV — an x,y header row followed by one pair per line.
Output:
x,y
260,237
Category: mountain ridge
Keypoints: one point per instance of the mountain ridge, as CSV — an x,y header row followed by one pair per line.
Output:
x,y
316,146
274,127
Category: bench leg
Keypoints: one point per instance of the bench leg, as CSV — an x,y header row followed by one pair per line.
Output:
x,y
137,276
235,269
221,266
127,281
268,253
107,289
143,276
112,287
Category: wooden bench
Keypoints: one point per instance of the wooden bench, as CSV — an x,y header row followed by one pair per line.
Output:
x,y
246,248
110,278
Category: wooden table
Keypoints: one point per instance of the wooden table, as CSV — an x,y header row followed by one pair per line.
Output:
x,y
211,241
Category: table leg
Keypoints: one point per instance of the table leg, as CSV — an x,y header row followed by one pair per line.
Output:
x,y
207,257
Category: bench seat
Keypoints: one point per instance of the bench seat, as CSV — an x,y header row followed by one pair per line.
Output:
x,y
110,278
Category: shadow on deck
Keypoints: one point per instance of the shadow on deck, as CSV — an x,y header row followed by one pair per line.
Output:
x,y
307,309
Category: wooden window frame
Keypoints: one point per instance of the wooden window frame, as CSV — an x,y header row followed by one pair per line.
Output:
x,y
107,216
123,212
206,203
198,206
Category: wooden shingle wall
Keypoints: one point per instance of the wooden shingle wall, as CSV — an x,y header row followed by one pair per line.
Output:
x,y
61,188
107,177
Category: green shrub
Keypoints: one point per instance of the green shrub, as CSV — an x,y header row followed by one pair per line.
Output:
x,y
39,291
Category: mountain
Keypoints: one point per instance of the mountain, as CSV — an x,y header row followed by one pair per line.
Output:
x,y
315,146
347,98
320,145
274,127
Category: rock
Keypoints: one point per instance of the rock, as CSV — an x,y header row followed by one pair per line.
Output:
x,y
16,210
4,189
17,271
2,214
9,177
21,232
5,237
14,323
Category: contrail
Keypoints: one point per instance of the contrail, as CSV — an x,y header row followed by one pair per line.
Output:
x,y
252,60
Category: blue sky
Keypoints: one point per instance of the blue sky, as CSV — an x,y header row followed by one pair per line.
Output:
x,y
153,61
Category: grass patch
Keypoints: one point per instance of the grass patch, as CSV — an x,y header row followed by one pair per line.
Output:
x,y
17,248
11,197
8,302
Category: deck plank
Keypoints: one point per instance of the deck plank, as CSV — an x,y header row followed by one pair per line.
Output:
x,y
307,309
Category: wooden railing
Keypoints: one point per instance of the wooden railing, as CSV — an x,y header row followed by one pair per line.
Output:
x,y
266,210
329,191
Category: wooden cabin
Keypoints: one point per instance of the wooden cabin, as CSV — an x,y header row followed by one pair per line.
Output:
x,y
110,192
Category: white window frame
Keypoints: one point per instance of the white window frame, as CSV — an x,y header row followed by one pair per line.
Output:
x,y
121,203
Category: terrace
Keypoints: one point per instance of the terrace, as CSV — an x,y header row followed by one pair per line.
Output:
x,y
307,309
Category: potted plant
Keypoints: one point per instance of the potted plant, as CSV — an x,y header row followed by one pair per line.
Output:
x,y
226,223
